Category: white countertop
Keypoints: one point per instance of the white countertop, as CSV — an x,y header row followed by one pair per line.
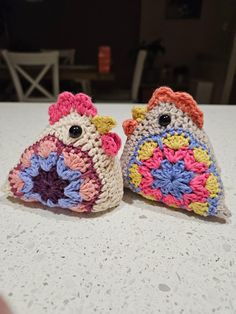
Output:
x,y
137,258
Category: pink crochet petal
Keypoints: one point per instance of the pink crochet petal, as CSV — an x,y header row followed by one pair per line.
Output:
x,y
88,190
170,200
189,198
156,193
192,165
147,178
173,155
76,161
16,183
25,158
111,143
46,147
155,161
198,183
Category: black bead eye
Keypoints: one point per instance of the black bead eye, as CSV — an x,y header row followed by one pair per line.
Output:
x,y
164,120
75,131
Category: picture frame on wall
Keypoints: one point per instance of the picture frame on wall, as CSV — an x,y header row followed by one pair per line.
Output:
x,y
183,9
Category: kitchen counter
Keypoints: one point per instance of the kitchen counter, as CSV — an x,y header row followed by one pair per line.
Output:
x,y
137,258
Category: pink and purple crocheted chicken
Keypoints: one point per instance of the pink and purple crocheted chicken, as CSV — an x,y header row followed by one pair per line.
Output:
x,y
168,157
73,164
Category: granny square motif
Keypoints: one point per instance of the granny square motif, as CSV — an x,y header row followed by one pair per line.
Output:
x,y
73,164
168,156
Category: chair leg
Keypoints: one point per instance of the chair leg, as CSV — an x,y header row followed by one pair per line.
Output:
x,y
86,86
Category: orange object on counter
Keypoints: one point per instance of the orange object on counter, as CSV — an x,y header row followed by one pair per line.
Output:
x,y
104,59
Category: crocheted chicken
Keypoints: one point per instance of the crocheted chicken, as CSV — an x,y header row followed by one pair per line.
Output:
x,y
168,157
73,164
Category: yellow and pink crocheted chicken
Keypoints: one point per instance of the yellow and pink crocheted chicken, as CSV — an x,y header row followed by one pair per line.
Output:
x,y
73,164
168,157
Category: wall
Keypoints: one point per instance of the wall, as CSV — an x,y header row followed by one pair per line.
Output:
x,y
83,25
211,36
184,39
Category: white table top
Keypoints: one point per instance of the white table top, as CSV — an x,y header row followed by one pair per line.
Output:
x,y
137,258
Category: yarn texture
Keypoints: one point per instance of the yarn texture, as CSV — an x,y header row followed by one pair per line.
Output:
x,y
168,157
73,164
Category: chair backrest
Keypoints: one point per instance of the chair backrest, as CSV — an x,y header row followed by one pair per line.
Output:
x,y
17,64
1,58
229,75
138,71
66,56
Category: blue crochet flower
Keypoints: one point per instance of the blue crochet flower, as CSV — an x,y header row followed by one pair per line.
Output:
x,y
172,179
51,182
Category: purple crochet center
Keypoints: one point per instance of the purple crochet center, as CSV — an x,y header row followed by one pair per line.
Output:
x,y
49,185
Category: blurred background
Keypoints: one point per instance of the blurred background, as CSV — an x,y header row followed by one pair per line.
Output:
x,y
117,51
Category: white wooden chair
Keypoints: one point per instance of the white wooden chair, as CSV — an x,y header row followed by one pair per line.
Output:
x,y
229,75
138,72
66,56
1,58
132,93
20,64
